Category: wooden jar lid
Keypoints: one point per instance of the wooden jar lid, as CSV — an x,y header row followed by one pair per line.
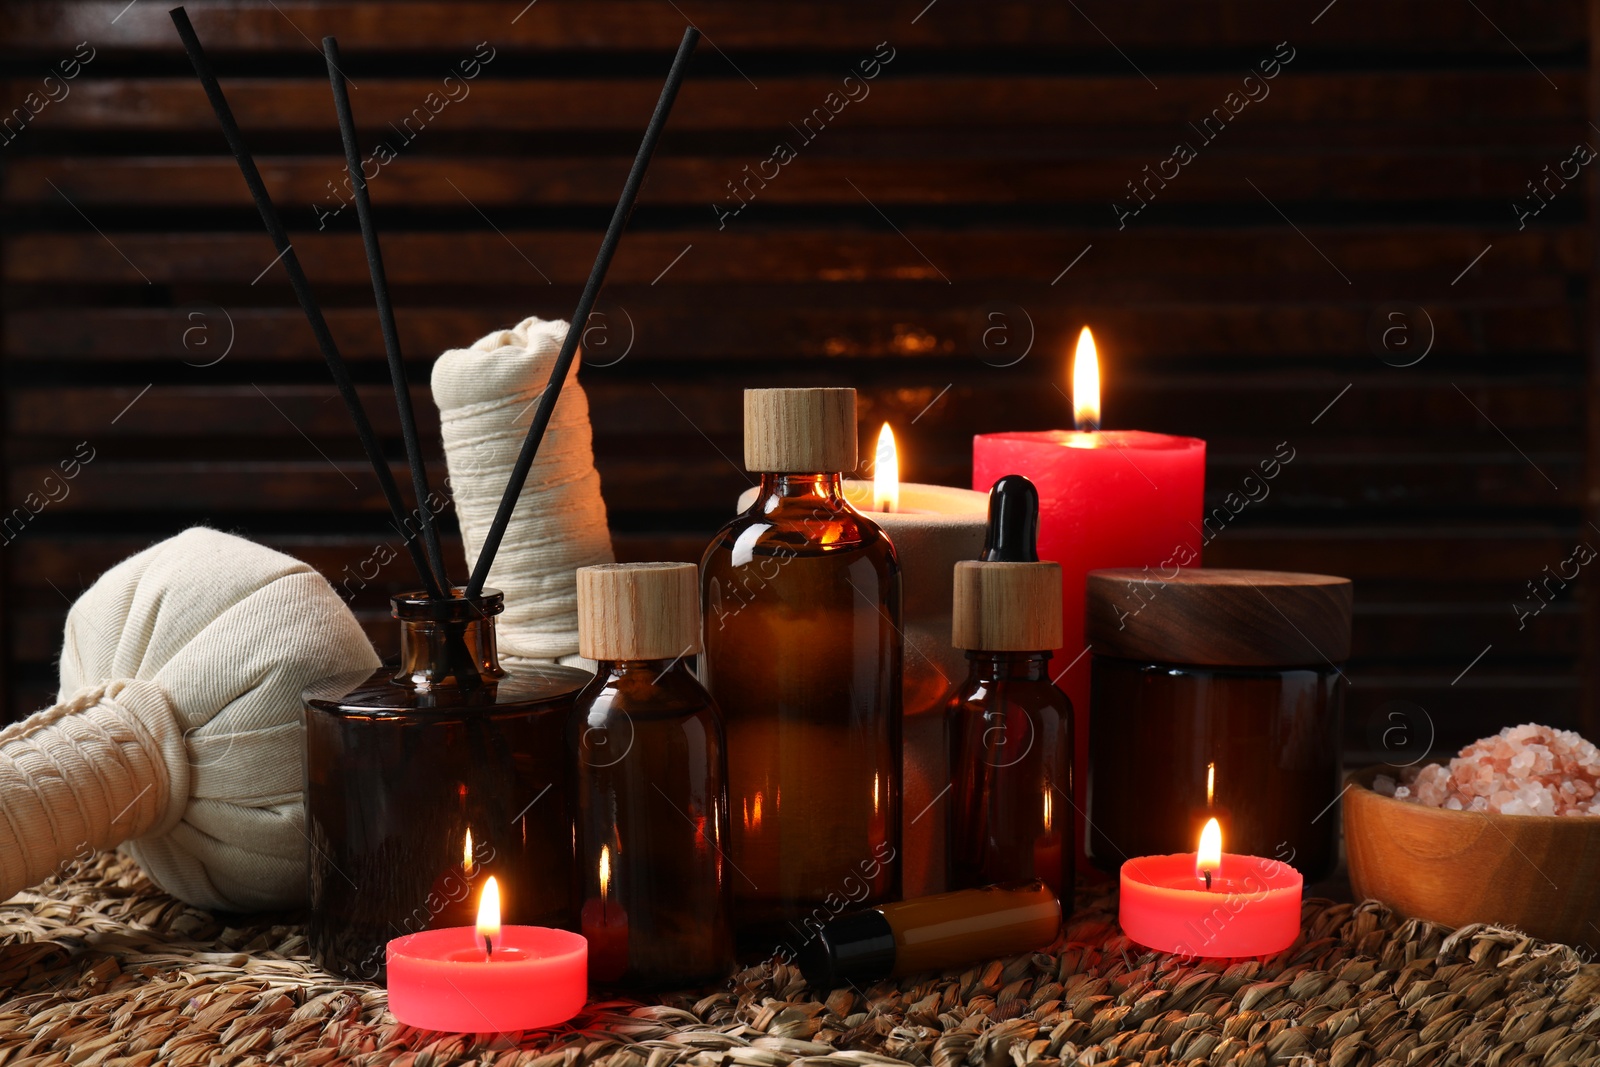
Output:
x,y
1007,607
800,431
1221,618
638,611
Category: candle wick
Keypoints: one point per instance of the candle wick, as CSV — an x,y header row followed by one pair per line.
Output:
x,y
1208,879
488,942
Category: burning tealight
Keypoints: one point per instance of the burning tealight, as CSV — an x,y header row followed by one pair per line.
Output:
x,y
1209,902
488,978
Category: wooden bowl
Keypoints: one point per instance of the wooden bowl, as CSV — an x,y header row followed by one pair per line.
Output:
x,y
1537,873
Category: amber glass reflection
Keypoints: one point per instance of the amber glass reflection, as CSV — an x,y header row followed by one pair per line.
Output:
x,y
1266,740
426,778
652,822
1011,769
801,597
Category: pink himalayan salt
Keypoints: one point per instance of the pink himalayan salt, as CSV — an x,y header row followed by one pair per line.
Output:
x,y
1522,770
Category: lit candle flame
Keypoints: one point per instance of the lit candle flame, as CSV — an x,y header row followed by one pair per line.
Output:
x,y
886,473
605,870
1211,784
1047,808
1086,383
489,915
466,853
1209,857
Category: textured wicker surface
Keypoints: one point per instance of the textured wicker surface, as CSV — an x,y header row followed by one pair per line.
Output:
x,y
100,968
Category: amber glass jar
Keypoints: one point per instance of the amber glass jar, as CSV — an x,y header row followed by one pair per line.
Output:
x,y
801,599
652,798
1216,693
424,779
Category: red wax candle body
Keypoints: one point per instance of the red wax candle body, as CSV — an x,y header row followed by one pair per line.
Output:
x,y
440,979
605,926
1251,909
1109,498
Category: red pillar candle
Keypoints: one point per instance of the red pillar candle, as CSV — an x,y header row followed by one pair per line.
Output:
x,y
488,978
1107,498
1210,903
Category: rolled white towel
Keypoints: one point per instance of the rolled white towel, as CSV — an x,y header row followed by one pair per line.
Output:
x,y
486,396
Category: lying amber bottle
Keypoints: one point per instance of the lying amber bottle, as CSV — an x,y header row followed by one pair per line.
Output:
x,y
802,654
930,934
651,784
424,779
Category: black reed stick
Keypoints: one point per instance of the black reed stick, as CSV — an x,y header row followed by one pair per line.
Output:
x,y
302,292
580,315
380,292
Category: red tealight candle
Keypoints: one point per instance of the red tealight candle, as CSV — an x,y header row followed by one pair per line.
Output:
x,y
487,979
1107,498
1210,903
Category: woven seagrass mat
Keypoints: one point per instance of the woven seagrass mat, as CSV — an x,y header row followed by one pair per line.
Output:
x,y
98,967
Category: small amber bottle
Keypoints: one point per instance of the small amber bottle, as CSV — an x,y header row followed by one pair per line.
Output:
x,y
802,653
651,774
1010,727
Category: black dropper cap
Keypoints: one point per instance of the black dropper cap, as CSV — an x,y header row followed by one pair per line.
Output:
x,y
858,947
1013,535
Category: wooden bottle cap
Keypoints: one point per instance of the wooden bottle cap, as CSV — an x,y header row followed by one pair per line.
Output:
x,y
799,431
638,611
1007,607
1220,618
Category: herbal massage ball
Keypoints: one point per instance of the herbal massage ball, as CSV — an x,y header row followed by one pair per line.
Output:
x,y
178,731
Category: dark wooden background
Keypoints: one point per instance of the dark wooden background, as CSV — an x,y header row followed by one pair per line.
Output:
x,y
1246,305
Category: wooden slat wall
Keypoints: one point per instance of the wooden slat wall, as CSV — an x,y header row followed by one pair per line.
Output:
x,y
1246,304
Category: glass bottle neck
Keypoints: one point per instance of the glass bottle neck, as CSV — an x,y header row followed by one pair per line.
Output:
x,y
1009,666
456,653
646,671
826,487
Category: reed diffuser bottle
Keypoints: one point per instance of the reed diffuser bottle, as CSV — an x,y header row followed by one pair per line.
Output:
x,y
802,653
424,780
1010,727
652,801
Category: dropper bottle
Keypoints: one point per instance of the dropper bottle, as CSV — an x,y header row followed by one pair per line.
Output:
x,y
1010,727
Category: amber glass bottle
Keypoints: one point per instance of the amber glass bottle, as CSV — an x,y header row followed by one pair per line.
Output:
x,y
422,781
802,653
1010,727
652,800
